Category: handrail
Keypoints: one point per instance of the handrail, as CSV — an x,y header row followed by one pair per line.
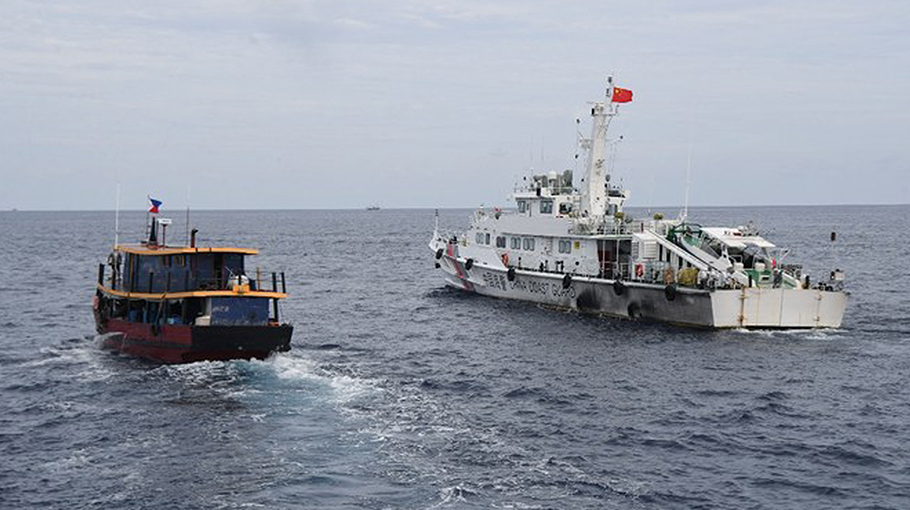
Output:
x,y
191,294
181,279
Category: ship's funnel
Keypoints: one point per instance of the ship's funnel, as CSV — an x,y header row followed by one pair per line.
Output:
x,y
153,234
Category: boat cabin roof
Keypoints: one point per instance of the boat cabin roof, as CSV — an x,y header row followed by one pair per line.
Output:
x,y
734,237
141,249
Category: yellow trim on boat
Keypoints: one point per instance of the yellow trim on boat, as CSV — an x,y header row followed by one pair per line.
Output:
x,y
180,250
192,294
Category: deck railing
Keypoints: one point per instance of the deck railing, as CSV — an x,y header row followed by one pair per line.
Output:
x,y
181,280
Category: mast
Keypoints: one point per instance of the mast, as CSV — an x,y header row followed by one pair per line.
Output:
x,y
594,193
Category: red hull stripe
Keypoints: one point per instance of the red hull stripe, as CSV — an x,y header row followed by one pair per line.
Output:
x,y
452,253
175,344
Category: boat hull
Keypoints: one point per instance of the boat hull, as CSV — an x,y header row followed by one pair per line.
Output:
x,y
761,308
187,343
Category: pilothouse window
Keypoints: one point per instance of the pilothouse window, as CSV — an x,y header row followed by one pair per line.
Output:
x,y
501,242
516,243
522,206
529,243
546,207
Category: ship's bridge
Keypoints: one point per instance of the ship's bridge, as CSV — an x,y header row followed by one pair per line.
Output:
x,y
547,195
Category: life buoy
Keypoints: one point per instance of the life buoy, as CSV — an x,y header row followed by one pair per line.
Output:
x,y
505,259
566,281
618,287
639,270
468,264
670,292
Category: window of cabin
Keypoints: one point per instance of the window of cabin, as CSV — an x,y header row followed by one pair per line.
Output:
x,y
522,206
565,208
501,242
529,243
546,207
565,246
516,243
233,262
478,238
486,238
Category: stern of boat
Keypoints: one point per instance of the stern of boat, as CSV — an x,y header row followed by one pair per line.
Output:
x,y
778,308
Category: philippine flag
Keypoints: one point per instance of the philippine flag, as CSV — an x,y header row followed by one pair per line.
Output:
x,y
155,205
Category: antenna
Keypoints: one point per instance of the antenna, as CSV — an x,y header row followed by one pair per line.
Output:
x,y
148,226
117,217
543,160
650,191
578,137
688,171
188,189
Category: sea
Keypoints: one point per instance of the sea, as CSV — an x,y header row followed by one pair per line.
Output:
x,y
401,393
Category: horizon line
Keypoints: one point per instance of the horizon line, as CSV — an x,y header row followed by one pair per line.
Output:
x,y
399,208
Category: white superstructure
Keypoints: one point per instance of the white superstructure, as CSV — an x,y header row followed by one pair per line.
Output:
x,y
574,247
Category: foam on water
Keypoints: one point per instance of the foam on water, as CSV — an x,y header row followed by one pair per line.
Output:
x,y
294,367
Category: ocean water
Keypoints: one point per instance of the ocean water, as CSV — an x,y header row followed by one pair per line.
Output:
x,y
400,393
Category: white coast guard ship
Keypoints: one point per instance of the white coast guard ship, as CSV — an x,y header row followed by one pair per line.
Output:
x,y
574,247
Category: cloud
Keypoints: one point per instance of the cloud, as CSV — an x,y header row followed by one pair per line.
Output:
x,y
465,93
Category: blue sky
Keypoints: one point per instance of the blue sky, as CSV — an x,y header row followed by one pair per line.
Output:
x,y
335,104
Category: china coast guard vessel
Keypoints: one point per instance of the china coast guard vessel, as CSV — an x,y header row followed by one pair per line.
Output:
x,y
180,304
574,247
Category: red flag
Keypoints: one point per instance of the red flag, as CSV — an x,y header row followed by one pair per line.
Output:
x,y
621,95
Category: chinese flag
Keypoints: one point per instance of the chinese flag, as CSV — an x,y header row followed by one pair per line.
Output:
x,y
621,95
